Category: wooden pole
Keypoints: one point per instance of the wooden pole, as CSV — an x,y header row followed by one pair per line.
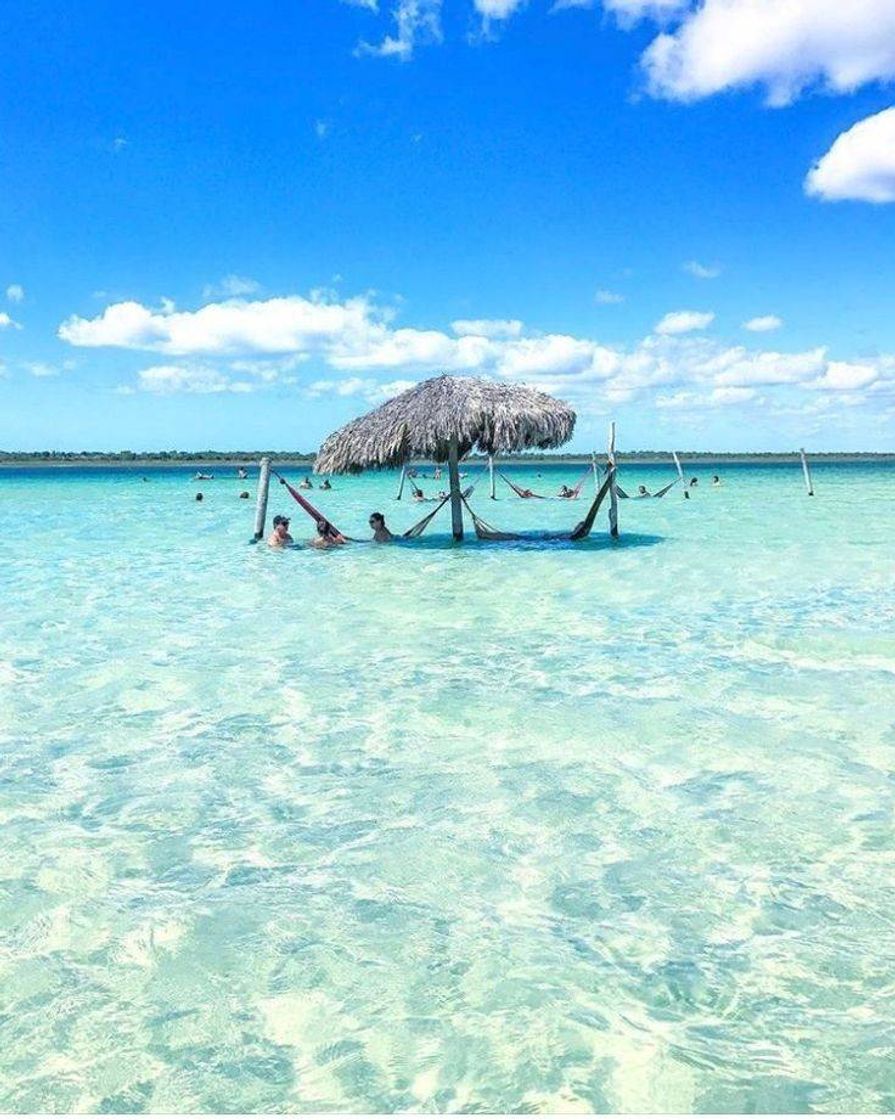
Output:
x,y
595,468
680,473
806,470
491,475
454,474
613,486
261,503
401,483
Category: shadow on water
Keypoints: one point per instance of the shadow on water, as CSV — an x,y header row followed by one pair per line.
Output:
x,y
596,543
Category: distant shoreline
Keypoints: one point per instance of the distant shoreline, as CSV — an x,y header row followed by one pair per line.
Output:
x,y
236,460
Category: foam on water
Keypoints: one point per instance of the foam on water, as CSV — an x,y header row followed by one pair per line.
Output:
x,y
500,827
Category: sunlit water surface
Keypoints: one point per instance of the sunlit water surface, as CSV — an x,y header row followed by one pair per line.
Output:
x,y
432,828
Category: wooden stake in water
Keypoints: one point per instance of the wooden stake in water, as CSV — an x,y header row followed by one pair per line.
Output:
x,y
593,463
806,470
491,474
401,483
613,486
261,504
680,473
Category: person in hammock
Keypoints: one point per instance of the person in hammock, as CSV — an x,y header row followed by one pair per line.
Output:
x,y
566,491
418,495
381,533
642,492
327,536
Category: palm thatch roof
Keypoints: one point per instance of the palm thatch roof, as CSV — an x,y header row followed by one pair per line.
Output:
x,y
492,417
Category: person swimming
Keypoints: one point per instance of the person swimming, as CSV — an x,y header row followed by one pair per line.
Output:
x,y
242,473
326,484
327,536
199,496
306,484
200,477
694,481
381,532
418,495
716,481
243,493
566,491
280,537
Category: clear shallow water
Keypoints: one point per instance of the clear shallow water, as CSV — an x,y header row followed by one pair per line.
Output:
x,y
482,828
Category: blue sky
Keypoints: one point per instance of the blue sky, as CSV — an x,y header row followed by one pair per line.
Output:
x,y
239,227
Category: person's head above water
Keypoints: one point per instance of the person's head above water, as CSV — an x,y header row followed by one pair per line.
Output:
x,y
323,527
376,519
199,496
281,520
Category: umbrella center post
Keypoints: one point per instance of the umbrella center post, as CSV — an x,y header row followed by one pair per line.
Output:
x,y
454,475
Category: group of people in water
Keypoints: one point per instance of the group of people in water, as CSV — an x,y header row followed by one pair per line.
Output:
x,y
327,536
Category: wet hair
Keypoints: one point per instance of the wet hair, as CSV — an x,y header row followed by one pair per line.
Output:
x,y
199,496
377,517
322,527
244,494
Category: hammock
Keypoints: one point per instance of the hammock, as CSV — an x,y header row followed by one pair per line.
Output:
x,y
486,532
518,490
576,489
311,511
658,494
417,530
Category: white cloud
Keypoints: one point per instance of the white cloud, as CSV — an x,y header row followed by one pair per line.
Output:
x,y
6,321
488,328
763,323
681,322
787,46
189,379
231,287
417,21
702,271
370,5
605,297
847,376
629,11
861,163
566,5
496,9
15,293
321,128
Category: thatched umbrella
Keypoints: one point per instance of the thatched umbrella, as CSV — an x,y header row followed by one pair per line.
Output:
x,y
443,419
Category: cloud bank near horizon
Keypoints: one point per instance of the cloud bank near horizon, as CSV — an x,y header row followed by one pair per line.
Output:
x,y
242,345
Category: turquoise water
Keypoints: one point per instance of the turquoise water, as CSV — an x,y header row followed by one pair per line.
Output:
x,y
499,827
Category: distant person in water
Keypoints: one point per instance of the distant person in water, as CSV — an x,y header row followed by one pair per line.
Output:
x,y
306,484
437,474
280,537
244,494
418,495
716,481
381,532
694,481
566,491
199,496
242,473
643,492
327,537
326,484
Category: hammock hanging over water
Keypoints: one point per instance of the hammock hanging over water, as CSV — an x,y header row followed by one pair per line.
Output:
x,y
486,532
658,494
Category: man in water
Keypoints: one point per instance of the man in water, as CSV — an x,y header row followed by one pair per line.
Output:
x,y
716,481
381,533
327,536
306,484
241,473
279,538
325,484
566,491
642,491
694,482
